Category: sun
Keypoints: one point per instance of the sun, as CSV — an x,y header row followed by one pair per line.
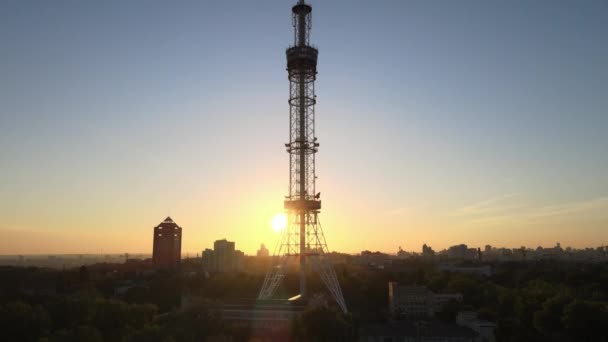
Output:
x,y
279,222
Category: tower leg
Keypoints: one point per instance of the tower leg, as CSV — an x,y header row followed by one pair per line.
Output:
x,y
323,267
283,251
303,254
319,261
273,279
276,273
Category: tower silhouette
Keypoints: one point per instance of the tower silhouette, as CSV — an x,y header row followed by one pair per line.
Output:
x,y
303,237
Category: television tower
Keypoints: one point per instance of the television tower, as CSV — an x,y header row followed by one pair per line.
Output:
x,y
303,237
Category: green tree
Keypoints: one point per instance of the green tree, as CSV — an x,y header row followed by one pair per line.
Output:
x,y
80,333
140,316
531,298
68,313
322,324
586,321
193,325
548,320
138,295
151,334
21,322
487,314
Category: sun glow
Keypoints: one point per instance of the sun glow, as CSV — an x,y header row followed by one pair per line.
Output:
x,y
279,222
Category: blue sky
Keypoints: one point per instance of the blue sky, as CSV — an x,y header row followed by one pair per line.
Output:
x,y
439,121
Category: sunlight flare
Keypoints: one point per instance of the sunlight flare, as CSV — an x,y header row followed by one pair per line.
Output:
x,y
279,222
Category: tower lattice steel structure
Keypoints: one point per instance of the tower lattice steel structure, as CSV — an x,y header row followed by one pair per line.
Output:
x,y
303,237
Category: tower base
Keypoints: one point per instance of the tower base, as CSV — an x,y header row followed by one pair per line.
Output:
x,y
316,254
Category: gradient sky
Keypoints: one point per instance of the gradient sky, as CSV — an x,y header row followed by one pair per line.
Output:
x,y
440,122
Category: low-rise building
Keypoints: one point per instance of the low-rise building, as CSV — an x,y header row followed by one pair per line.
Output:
x,y
484,329
417,301
408,331
261,316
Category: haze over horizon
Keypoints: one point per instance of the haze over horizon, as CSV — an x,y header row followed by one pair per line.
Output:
x,y
477,122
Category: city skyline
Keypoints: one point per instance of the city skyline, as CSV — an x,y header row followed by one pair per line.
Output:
x,y
187,254
117,115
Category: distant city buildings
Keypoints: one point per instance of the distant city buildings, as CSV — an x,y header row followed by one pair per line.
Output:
x,y
400,261
223,257
374,259
457,252
482,270
427,252
401,254
462,252
263,251
493,254
167,246
417,301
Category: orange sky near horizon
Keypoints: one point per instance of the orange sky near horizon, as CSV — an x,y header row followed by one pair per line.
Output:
x,y
204,220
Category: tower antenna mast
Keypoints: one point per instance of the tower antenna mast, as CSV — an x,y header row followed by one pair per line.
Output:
x,y
303,237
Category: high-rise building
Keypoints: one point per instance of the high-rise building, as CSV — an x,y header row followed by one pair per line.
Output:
x,y
208,259
223,257
263,251
238,260
167,247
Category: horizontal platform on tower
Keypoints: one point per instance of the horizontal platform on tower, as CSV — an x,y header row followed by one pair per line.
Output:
x,y
302,205
297,146
302,57
301,9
